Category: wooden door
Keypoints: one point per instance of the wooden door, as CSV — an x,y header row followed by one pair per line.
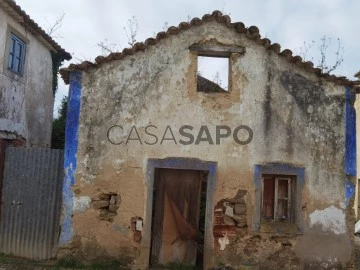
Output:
x,y
176,216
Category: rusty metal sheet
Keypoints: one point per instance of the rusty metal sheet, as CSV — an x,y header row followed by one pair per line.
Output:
x,y
31,202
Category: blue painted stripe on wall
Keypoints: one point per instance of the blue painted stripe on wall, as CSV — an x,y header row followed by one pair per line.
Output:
x,y
71,145
349,191
350,137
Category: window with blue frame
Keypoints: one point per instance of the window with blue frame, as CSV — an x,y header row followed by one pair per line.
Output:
x,y
16,58
278,193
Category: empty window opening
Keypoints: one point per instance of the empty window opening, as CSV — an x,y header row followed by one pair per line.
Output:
x,y
277,198
178,217
212,74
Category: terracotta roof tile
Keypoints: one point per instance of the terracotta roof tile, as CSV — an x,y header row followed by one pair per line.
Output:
x,y
251,32
31,25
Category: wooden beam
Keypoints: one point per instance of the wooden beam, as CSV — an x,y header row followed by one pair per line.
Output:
x,y
216,51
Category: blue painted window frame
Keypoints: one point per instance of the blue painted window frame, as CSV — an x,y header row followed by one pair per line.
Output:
x,y
279,169
16,57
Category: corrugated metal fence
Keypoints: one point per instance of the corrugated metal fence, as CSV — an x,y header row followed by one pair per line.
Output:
x,y
31,202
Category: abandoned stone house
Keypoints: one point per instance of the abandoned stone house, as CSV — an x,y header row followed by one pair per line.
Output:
x,y
165,165
29,62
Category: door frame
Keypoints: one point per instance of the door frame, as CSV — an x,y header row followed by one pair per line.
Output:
x,y
182,163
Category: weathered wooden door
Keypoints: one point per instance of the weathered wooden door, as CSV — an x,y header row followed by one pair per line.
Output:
x,y
176,216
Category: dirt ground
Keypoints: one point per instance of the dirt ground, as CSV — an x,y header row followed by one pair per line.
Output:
x,y
17,264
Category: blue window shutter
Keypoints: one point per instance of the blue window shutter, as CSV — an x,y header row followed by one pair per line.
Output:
x,y
17,58
22,58
16,54
11,53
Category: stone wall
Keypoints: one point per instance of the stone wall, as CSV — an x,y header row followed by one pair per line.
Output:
x,y
296,118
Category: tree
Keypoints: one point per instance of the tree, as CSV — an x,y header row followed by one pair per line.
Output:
x,y
107,47
166,26
57,59
58,129
54,28
217,79
130,30
324,49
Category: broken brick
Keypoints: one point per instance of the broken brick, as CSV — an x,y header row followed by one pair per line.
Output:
x,y
118,200
100,204
137,236
106,215
103,196
221,230
240,209
240,218
113,200
113,208
229,221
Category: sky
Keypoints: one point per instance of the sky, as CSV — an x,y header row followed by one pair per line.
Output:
x,y
288,22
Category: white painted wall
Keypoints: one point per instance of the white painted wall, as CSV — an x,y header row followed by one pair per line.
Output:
x,y
26,103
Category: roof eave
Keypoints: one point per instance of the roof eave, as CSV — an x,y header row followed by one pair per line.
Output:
x,y
31,25
251,33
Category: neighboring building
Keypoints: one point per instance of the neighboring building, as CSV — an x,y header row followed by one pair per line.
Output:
x,y
29,60
272,155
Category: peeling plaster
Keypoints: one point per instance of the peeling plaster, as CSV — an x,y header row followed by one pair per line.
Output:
x,y
223,241
81,204
123,229
118,164
330,219
26,101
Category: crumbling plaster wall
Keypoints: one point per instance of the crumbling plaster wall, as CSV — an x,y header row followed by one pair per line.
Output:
x,y
296,118
26,102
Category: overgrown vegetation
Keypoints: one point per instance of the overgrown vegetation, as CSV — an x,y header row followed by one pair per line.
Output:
x,y
130,29
57,60
66,263
58,129
109,264
70,262
3,258
328,57
53,28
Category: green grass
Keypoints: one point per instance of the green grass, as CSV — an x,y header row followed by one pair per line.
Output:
x,y
108,265
67,263
73,263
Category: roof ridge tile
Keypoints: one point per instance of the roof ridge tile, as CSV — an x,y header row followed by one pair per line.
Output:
x,y
251,32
